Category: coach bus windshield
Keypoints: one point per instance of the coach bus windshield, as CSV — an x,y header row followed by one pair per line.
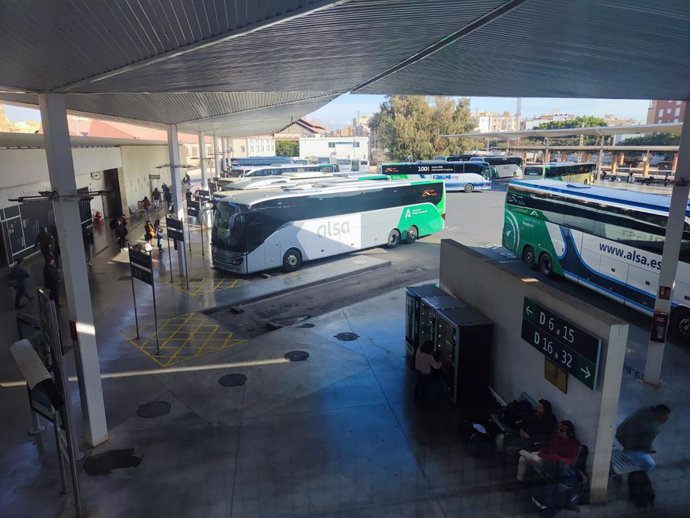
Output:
x,y
228,226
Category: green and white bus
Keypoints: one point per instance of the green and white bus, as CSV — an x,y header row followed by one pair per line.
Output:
x,y
263,229
582,172
610,240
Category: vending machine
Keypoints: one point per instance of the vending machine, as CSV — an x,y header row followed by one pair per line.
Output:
x,y
413,297
463,338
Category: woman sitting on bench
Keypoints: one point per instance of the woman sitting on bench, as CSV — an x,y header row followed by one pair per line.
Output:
x,y
562,446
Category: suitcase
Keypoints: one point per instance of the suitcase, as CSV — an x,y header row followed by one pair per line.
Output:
x,y
640,490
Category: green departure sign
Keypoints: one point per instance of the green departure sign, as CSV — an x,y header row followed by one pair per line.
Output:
x,y
569,346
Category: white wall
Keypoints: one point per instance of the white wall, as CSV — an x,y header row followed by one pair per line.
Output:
x,y
138,162
498,292
343,147
24,172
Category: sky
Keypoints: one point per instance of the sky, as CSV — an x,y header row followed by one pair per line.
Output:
x,y
341,111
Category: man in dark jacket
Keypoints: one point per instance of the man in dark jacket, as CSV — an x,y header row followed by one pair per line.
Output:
x,y
534,431
51,280
638,431
20,275
45,242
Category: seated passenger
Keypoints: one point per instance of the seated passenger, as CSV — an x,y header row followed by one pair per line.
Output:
x,y
534,431
562,446
426,367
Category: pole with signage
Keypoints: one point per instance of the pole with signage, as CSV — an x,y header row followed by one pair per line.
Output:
x,y
51,336
176,231
570,347
141,267
204,197
193,210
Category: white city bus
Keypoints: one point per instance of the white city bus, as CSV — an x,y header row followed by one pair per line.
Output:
x,y
279,169
610,240
263,229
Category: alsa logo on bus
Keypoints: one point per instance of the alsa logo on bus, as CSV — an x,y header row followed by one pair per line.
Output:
x,y
333,229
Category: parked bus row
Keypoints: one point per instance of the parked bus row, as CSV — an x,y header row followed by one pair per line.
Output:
x,y
505,166
609,240
578,172
457,176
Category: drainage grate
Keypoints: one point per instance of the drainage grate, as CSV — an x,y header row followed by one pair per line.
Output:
x,y
296,356
307,325
347,337
232,380
153,409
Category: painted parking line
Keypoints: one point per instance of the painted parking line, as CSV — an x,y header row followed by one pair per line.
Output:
x,y
203,286
183,338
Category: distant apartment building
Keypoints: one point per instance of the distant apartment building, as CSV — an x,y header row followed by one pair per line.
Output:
x,y
262,145
534,122
660,112
489,122
612,120
333,148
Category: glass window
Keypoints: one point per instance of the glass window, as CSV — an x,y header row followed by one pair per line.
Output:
x,y
661,112
677,112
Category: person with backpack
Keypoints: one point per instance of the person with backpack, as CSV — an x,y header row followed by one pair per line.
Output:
x,y
44,241
167,195
158,231
19,276
51,280
87,238
146,203
638,431
562,446
156,197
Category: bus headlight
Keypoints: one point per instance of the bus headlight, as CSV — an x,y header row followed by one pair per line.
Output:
x,y
237,261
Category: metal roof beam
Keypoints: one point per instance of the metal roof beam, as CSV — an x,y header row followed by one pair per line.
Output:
x,y
288,16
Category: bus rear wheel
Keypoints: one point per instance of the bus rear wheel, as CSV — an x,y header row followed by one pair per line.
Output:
x,y
469,187
393,238
412,235
292,260
680,324
545,264
528,256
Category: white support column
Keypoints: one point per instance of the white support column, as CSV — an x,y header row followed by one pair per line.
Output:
x,y
67,220
669,259
202,159
216,158
176,187
600,160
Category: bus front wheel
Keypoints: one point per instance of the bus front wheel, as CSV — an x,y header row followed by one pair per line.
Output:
x,y
545,264
412,235
469,187
393,238
528,256
292,260
680,324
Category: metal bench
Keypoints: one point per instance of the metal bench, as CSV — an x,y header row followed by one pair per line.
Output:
x,y
621,463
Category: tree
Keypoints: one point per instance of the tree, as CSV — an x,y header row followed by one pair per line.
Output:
x,y
583,121
655,139
287,148
409,126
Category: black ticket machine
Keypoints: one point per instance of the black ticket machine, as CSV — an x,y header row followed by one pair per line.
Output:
x,y
463,339
413,297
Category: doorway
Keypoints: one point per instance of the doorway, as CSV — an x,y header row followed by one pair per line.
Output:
x,y
113,200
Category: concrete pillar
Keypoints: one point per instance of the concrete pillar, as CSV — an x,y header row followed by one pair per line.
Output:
x,y
622,159
669,258
601,156
645,167
614,163
562,159
216,158
202,159
176,187
68,222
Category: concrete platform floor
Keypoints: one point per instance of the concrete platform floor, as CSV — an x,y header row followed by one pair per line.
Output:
x,y
334,436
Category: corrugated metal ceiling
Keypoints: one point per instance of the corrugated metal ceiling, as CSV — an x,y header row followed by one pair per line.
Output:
x,y
158,60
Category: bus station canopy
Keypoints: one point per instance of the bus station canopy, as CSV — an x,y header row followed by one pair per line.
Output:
x,y
247,67
671,127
